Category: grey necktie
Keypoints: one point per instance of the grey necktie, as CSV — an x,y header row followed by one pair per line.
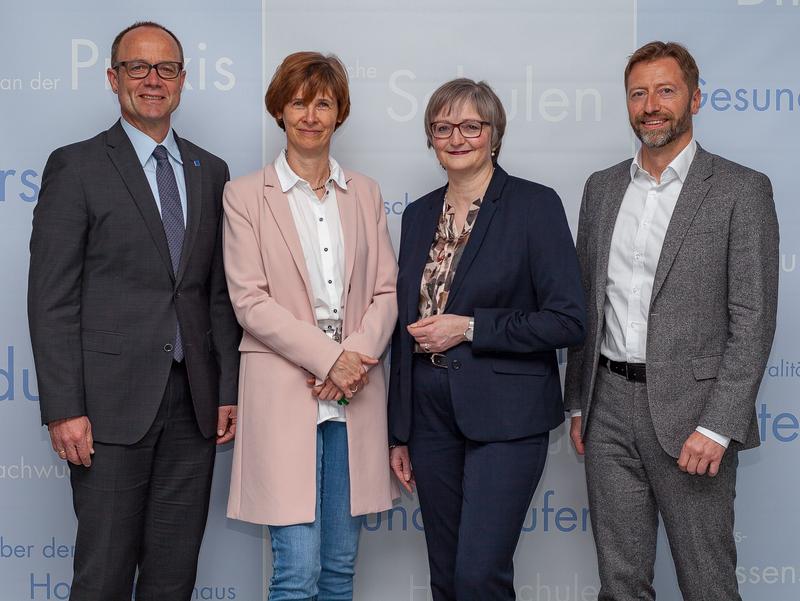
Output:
x,y
172,218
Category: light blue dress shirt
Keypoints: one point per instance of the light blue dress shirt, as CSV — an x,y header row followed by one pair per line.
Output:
x,y
144,146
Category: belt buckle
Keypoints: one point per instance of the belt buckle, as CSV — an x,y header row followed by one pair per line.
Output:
x,y
439,360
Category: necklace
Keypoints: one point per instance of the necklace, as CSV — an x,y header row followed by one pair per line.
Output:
x,y
325,182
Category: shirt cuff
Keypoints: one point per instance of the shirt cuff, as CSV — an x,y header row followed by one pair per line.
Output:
x,y
575,413
718,438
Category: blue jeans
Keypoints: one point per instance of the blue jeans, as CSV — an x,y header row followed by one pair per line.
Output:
x,y
316,561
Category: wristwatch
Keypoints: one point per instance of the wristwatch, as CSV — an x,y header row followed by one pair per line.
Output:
x,y
470,331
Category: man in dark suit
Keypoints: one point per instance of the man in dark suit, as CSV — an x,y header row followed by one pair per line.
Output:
x,y
134,338
679,257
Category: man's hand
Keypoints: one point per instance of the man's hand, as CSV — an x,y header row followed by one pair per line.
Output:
x,y
575,434
348,374
72,439
400,463
700,454
438,333
226,423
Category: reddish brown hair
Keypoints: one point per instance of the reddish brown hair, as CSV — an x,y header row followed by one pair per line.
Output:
x,y
314,73
656,50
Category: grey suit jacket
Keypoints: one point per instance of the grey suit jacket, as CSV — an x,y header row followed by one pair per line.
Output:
x,y
103,301
712,312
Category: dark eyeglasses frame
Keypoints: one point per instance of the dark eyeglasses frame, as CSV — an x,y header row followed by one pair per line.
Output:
x,y
150,68
458,126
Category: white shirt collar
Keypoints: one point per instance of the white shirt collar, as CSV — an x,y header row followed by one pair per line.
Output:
x,y
679,165
144,145
288,178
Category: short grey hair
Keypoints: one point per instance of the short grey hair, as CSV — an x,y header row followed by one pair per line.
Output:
x,y
461,91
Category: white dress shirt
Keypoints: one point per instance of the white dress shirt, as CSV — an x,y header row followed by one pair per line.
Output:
x,y
320,231
639,232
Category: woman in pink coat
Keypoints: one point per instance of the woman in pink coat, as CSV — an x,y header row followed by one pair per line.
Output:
x,y
311,274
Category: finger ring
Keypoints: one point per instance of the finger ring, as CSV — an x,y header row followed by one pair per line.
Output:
x,y
62,453
354,390
427,348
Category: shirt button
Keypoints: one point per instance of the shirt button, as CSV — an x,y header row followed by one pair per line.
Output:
x,y
168,348
330,281
335,310
325,249
321,219
456,364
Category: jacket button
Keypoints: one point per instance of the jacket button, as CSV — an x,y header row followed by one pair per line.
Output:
x,y
456,364
168,348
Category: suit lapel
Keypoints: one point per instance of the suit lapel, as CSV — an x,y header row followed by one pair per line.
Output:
x,y
123,156
614,193
194,202
278,204
348,216
421,234
693,192
485,214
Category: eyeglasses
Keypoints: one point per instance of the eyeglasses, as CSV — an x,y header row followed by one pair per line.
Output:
x,y
468,129
141,69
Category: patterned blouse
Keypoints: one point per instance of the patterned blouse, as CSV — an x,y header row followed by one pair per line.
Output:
x,y
443,259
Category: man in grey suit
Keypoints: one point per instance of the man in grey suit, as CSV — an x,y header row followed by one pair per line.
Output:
x,y
679,255
133,334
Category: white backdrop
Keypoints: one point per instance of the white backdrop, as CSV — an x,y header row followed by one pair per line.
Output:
x,y
557,65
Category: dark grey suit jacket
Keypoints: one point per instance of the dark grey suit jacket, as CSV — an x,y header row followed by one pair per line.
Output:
x,y
103,299
712,311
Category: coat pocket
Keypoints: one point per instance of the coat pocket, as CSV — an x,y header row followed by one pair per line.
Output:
x,y
525,367
100,341
705,368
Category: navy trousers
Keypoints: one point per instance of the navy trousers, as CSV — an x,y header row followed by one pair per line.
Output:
x,y
473,495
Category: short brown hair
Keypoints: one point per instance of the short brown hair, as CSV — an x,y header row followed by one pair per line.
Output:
x,y
655,50
118,40
314,73
456,93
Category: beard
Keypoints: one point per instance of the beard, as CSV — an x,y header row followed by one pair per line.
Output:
x,y
672,129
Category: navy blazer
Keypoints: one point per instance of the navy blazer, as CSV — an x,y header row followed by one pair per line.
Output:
x,y
519,277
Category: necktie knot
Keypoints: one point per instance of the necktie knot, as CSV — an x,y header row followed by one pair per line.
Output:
x,y
160,153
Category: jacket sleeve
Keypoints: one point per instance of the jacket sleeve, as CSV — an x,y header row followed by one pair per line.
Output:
x,y
225,330
378,322
58,243
753,263
258,312
573,380
561,315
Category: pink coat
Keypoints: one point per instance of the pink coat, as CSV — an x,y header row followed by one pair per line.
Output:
x,y
273,479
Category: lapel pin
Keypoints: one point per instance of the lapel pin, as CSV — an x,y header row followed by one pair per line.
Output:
x,y
197,162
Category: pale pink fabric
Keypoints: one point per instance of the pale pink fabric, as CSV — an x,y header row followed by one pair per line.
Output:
x,y
273,478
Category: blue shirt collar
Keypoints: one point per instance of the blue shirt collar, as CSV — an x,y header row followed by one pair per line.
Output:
x,y
144,145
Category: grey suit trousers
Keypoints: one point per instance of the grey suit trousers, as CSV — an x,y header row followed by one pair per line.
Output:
x,y
631,480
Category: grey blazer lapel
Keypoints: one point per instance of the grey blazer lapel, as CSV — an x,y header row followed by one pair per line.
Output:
x,y
617,184
123,156
694,191
194,202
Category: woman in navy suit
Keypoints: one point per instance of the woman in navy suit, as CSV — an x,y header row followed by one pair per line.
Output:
x,y
488,289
